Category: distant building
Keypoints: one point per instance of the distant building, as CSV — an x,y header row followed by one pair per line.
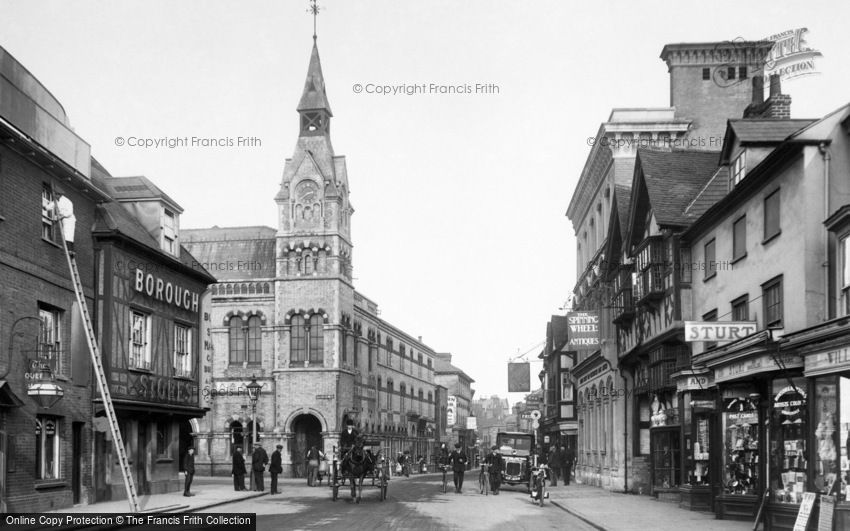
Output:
x,y
459,388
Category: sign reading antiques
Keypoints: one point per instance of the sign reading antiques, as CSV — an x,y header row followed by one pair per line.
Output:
x,y
716,331
584,330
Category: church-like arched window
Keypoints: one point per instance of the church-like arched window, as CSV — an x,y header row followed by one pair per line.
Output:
x,y
298,339
316,338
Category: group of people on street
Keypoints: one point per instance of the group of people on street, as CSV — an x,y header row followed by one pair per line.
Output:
x,y
561,460
259,460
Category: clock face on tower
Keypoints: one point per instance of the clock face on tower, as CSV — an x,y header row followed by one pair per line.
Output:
x,y
306,192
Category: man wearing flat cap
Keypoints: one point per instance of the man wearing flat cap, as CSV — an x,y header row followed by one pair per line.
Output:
x,y
497,464
275,468
259,460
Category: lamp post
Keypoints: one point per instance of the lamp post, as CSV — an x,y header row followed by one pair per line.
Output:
x,y
253,389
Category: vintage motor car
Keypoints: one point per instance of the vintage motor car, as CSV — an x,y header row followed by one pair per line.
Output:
x,y
517,449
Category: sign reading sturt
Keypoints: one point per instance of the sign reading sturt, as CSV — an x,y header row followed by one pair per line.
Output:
x,y
716,331
584,330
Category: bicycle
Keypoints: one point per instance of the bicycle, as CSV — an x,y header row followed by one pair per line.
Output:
x,y
484,479
445,469
538,489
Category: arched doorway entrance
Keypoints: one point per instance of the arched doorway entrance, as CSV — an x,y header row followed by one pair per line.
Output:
x,y
308,432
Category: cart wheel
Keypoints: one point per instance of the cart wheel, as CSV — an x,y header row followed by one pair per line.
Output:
x,y
336,492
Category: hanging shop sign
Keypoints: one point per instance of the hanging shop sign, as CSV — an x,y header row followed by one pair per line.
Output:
x,y
718,331
756,365
519,377
584,330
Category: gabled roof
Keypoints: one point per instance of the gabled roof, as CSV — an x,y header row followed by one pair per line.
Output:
x,y
137,188
672,180
557,333
314,97
759,131
112,218
714,190
234,253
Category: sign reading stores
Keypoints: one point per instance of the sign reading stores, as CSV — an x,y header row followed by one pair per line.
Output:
x,y
166,291
584,330
716,331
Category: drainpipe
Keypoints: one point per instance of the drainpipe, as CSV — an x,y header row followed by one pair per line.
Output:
x,y
824,151
625,434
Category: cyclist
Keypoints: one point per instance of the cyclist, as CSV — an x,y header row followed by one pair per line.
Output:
x,y
443,462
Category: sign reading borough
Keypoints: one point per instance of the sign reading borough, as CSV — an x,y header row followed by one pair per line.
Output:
x,y
584,330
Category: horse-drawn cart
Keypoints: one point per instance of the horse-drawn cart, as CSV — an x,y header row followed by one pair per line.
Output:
x,y
364,462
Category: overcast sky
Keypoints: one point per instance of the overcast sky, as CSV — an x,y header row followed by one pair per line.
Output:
x,y
459,231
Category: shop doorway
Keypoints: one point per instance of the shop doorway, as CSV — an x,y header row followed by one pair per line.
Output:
x,y
665,450
142,458
102,456
186,441
77,452
308,432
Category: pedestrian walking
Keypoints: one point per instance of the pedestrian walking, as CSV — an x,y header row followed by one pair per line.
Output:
x,y
259,460
238,470
189,469
63,209
554,462
496,465
276,467
458,460
313,456
568,458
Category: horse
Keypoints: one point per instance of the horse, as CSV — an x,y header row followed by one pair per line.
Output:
x,y
359,462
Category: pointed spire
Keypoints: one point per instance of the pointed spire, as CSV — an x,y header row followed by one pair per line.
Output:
x,y
314,97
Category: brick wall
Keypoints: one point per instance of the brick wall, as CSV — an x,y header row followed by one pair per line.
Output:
x,y
32,271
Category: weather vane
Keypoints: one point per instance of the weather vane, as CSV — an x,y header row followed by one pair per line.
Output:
x,y
314,10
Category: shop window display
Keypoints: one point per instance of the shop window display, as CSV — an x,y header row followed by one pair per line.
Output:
x,y
844,438
788,453
699,473
741,444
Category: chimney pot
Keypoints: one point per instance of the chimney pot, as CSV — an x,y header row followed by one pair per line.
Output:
x,y
775,85
758,90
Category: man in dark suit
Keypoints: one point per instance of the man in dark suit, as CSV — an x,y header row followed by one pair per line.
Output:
x,y
568,458
189,468
259,460
347,439
238,469
554,462
458,460
275,468
497,464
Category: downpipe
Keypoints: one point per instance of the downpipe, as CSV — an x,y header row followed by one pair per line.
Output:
x,y
824,151
625,435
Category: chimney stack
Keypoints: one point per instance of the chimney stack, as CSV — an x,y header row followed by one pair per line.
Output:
x,y
758,90
777,105
775,85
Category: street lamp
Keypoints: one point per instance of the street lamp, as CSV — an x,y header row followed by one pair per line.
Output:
x,y
253,395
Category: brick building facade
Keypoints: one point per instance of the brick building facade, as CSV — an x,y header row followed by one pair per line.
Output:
x,y
45,457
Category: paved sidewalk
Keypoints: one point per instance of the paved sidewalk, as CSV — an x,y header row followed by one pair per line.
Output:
x,y
208,492
612,511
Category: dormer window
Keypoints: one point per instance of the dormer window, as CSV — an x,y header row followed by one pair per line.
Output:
x,y
739,168
169,232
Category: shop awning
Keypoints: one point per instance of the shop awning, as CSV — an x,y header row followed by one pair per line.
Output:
x,y
8,397
152,407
